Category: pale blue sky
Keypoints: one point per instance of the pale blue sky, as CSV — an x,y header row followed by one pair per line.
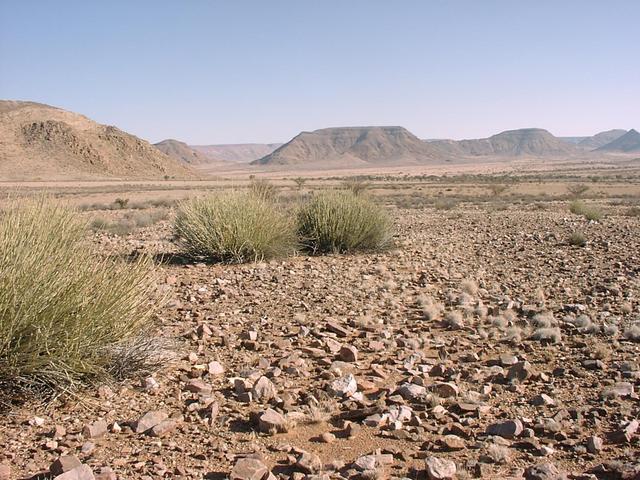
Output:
x,y
242,71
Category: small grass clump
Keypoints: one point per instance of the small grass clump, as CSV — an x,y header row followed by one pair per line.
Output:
x,y
577,239
589,212
67,315
234,227
343,221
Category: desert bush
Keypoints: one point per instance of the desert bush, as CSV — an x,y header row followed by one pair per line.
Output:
x,y
589,212
356,185
263,189
578,239
67,315
341,221
577,189
121,202
234,227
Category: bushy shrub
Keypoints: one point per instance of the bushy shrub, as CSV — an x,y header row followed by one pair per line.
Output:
x,y
234,227
343,221
578,239
67,314
590,212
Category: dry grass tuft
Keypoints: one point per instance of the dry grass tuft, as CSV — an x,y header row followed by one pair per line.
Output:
x,y
341,221
590,212
234,227
551,335
633,333
67,315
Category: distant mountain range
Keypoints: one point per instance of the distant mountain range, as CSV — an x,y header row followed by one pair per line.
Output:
x,y
38,141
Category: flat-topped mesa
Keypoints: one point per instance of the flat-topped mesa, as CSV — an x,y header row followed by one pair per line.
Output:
x,y
352,146
43,142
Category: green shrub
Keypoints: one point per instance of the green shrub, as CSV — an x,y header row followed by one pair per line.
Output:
x,y
343,221
234,227
67,315
589,212
578,239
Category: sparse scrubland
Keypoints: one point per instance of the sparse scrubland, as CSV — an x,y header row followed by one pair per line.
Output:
x,y
487,336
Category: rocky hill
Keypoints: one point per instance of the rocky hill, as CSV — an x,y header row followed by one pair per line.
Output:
x,y
41,142
182,152
534,142
352,146
627,143
236,152
601,139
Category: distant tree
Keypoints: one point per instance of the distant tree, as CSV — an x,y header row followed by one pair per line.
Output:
x,y
577,189
300,182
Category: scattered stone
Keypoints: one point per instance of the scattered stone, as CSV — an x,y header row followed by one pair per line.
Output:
x,y
264,390
165,427
348,353
543,471
271,421
542,400
198,386
453,442
446,389
338,329
249,469
520,371
507,429
83,472
625,434
344,386
149,420
215,368
96,429
411,391
327,437
594,444
309,462
5,471
64,464
440,469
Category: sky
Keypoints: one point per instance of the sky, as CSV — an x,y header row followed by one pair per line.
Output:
x,y
237,71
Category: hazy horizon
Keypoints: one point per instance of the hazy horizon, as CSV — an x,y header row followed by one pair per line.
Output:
x,y
261,72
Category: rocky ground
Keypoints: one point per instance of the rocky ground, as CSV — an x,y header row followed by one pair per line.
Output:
x,y
483,345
